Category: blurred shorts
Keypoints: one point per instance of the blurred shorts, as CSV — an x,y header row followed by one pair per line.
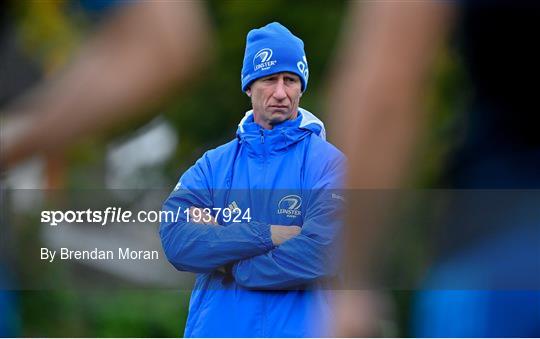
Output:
x,y
489,290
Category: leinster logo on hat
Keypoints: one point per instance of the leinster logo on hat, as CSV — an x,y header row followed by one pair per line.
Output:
x,y
261,60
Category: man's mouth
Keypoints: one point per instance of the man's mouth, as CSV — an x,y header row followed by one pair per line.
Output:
x,y
279,107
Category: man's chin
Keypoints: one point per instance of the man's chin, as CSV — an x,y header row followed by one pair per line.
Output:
x,y
278,118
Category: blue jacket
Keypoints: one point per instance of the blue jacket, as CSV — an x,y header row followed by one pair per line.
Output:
x,y
285,176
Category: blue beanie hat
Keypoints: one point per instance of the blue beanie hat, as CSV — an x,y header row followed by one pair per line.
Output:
x,y
273,49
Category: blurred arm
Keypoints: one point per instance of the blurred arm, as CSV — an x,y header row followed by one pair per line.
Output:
x,y
375,94
139,54
376,97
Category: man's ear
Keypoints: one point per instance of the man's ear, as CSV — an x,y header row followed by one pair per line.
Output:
x,y
248,92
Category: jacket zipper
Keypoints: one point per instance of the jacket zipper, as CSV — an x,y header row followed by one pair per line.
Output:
x,y
263,322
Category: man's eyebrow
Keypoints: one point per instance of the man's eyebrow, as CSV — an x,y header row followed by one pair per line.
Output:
x,y
292,75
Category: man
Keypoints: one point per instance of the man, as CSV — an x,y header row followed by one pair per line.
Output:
x,y
258,274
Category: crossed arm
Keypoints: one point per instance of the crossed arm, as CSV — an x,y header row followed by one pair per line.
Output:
x,y
279,233
205,246
262,256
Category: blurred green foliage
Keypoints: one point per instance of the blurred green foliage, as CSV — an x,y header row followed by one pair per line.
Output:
x,y
47,33
104,313
448,94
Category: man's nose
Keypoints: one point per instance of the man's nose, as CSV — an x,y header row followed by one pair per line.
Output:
x,y
279,90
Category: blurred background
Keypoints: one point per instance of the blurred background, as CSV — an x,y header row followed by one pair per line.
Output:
x,y
123,96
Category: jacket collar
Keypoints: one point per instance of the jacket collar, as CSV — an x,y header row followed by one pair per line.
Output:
x,y
282,136
308,121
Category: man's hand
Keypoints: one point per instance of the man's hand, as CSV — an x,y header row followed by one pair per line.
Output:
x,y
281,233
199,216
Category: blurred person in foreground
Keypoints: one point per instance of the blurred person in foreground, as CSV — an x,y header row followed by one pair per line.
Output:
x,y
486,282
140,53
262,275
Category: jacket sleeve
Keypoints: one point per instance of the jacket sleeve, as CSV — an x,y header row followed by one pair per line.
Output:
x,y
203,248
311,255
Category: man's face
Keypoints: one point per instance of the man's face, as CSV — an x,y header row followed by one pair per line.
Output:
x,y
275,98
